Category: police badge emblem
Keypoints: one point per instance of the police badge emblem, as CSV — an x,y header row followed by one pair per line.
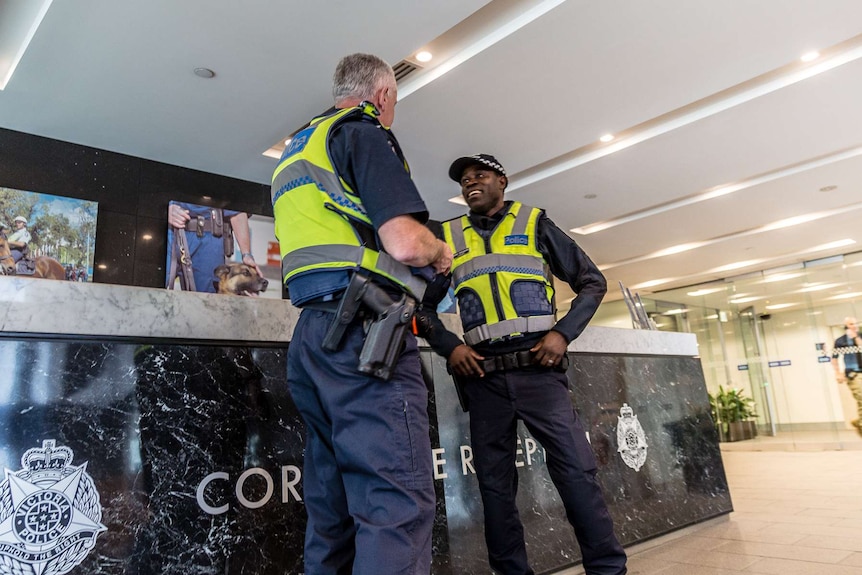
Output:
x,y
631,439
49,513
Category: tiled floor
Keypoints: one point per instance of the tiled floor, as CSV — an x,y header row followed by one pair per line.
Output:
x,y
798,511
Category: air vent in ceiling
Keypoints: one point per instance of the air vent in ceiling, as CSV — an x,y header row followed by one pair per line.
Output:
x,y
403,69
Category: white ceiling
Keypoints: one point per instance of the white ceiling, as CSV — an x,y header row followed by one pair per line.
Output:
x,y
537,83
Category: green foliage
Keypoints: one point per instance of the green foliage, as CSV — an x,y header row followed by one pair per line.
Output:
x,y
730,405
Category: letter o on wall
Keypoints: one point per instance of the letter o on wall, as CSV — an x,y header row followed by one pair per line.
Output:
x,y
270,487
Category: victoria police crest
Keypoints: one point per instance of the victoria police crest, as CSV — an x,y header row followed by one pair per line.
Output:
x,y
50,513
631,439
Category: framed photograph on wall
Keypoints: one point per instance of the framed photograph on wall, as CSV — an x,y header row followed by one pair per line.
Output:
x,y
46,235
215,236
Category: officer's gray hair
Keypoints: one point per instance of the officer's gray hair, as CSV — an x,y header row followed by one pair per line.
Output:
x,y
357,77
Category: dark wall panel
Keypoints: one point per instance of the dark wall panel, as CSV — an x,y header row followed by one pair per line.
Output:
x,y
133,195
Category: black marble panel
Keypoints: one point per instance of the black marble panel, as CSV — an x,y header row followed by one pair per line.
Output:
x,y
133,458
681,480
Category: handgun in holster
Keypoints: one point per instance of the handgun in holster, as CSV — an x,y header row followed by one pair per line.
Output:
x,y
459,388
385,335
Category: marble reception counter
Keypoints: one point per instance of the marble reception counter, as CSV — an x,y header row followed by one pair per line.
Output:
x,y
146,431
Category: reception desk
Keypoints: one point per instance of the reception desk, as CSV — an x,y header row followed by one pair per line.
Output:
x,y
145,431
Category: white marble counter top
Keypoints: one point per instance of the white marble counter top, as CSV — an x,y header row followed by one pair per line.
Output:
x,y
34,306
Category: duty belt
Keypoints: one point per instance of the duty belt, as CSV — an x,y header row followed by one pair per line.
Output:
x,y
517,360
200,225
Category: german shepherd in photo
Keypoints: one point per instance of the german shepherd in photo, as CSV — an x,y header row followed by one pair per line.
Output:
x,y
239,279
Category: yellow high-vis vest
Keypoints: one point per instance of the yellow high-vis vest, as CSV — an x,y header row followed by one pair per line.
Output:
x,y
502,283
318,218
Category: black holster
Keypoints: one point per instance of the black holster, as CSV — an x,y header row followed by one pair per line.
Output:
x,y
384,336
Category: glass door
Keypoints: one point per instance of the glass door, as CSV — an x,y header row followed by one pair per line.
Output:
x,y
758,374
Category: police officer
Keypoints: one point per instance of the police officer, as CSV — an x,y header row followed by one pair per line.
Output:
x,y
19,239
347,210
512,365
849,346
204,232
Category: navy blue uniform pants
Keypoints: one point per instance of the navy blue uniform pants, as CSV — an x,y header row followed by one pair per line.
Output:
x,y
540,397
367,475
207,253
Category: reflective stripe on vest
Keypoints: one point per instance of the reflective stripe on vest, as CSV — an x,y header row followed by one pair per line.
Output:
x,y
491,269
315,212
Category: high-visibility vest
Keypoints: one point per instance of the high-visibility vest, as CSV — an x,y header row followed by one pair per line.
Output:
x,y
502,283
320,223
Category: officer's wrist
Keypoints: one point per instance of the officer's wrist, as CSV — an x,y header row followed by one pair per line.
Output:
x,y
247,255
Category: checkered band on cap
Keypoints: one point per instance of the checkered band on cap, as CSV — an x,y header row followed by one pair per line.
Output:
x,y
458,166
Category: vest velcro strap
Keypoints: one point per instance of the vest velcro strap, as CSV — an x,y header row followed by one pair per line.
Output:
x,y
389,265
341,256
492,263
508,327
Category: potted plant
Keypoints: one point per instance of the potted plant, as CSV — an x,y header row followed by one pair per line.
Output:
x,y
733,413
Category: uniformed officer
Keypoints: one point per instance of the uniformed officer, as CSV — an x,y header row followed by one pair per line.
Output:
x,y
512,365
346,210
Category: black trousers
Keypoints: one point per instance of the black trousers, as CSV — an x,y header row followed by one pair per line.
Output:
x,y
539,397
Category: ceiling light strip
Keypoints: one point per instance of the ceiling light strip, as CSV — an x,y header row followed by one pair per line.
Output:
x,y
37,20
745,92
421,80
744,264
776,225
722,191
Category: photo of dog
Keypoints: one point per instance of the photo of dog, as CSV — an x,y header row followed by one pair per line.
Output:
x,y
239,279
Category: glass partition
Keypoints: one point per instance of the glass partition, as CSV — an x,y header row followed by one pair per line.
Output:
x,y
771,335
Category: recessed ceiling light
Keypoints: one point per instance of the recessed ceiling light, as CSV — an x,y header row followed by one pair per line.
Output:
x,y
810,56
424,56
102,266
652,283
607,138
146,237
705,291
828,188
780,305
847,295
780,277
677,311
743,300
204,73
819,287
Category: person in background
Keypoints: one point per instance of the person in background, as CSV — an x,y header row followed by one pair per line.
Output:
x,y
512,363
209,234
347,213
849,346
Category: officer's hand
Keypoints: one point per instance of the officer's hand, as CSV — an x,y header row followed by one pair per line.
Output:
x,y
177,216
465,361
248,260
550,349
443,263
